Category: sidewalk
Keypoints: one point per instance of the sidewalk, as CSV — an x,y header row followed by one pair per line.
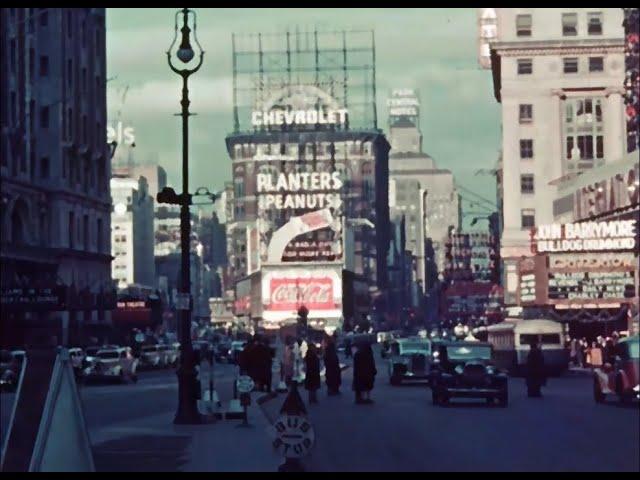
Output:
x,y
155,444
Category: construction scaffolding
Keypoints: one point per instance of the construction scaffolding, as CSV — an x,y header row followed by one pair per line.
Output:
x,y
337,67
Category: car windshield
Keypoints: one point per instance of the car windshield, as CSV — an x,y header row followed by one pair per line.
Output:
x,y
108,354
409,347
468,352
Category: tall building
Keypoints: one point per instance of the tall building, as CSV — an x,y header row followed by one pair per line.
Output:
x,y
309,165
132,232
54,166
558,74
434,206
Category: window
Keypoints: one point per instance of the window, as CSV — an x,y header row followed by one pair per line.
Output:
x,y
525,66
528,218
44,167
569,24
72,223
523,25
44,117
69,24
599,146
44,17
84,79
526,183
570,65
526,113
585,145
69,73
44,65
596,64
526,148
594,20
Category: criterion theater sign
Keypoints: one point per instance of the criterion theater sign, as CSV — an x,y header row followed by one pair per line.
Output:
x,y
618,235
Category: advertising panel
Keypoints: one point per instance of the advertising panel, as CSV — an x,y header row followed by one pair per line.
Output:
x,y
617,235
287,290
253,248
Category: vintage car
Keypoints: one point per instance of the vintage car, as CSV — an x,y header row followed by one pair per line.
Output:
x,y
10,368
621,378
465,369
112,364
150,356
410,359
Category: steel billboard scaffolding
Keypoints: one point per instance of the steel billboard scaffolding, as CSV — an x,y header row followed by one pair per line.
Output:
x,y
340,63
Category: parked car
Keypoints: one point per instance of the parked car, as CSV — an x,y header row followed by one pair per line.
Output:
x,y
621,378
150,356
11,368
466,369
410,359
112,364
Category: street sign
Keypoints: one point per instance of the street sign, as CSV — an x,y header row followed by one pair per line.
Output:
x,y
183,301
293,436
245,384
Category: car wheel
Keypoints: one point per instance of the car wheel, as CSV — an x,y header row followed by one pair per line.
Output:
x,y
394,380
598,396
435,398
134,378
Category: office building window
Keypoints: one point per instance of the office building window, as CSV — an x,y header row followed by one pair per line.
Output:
x,y
596,64
32,63
44,17
44,117
12,55
69,73
525,66
85,232
44,65
569,24
526,113
528,217
523,25
570,65
526,148
594,20
526,183
583,129
99,234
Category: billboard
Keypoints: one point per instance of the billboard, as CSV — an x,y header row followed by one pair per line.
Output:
x,y
617,235
320,290
301,214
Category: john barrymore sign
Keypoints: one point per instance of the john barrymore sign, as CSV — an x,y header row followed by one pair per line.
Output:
x,y
619,235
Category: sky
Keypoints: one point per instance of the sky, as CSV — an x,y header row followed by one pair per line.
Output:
x,y
432,50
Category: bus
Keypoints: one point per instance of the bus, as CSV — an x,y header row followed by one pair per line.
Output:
x,y
511,341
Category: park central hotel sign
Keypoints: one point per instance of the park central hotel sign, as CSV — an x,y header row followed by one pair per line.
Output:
x,y
618,235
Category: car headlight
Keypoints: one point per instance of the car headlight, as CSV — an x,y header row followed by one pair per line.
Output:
x,y
459,369
436,354
636,388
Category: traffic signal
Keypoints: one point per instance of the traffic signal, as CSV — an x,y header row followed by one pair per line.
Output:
x,y
168,195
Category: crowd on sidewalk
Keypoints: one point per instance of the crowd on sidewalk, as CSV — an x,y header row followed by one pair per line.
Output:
x,y
583,354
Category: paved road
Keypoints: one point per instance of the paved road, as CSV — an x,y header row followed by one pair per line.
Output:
x,y
403,431
155,392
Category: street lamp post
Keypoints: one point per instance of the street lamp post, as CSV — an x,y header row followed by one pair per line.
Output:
x,y
187,378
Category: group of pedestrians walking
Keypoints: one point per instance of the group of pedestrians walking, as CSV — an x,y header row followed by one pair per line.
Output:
x,y
297,354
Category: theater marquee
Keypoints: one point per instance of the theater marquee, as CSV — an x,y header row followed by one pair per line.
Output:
x,y
618,235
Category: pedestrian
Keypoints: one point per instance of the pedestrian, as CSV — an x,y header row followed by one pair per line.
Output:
x,y
333,375
596,354
304,347
266,364
245,359
535,370
312,376
573,352
347,347
288,361
609,352
364,373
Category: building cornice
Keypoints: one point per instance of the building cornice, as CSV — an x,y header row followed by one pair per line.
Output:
x,y
559,47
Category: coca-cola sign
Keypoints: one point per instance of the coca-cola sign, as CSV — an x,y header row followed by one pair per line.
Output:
x,y
290,293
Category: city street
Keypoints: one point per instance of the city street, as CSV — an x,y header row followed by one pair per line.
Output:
x,y
402,430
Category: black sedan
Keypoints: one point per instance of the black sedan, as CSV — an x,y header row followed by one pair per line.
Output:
x,y
466,370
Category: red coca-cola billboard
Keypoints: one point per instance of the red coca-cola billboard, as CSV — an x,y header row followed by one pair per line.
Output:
x,y
289,293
